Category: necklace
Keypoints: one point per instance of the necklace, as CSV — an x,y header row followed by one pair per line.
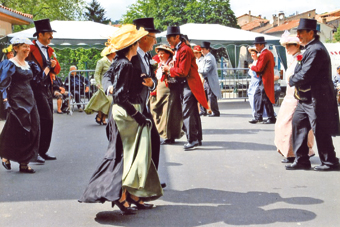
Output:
x,y
21,63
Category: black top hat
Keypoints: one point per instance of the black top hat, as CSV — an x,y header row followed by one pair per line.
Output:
x,y
307,24
147,24
173,30
205,45
259,40
42,26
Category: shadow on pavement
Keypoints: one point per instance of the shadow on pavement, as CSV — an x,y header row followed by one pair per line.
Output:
x,y
232,208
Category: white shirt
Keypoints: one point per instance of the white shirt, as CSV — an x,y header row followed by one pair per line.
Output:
x,y
43,50
146,64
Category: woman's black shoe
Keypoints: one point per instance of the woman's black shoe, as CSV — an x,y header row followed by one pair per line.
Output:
x,y
123,209
6,164
25,169
100,121
140,205
168,141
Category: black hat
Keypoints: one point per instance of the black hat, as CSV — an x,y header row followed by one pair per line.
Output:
x,y
205,45
42,26
147,24
307,24
259,40
173,30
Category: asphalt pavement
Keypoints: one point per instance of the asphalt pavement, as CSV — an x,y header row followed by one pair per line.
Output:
x,y
234,179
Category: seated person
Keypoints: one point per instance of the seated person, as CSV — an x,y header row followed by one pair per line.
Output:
x,y
78,85
60,93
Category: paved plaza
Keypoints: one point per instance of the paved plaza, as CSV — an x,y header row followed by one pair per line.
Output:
x,y
234,179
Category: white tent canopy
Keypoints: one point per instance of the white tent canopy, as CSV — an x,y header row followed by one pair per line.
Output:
x,y
223,36
74,34
216,33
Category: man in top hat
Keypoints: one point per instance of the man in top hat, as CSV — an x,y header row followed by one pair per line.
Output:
x,y
211,83
44,56
185,71
317,108
264,96
147,83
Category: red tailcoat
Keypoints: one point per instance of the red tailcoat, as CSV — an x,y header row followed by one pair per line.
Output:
x,y
265,67
35,56
185,66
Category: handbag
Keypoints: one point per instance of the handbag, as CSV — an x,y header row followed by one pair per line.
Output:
x,y
303,93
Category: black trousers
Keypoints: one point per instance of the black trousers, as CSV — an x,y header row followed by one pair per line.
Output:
x,y
305,119
155,139
191,119
261,101
212,99
44,101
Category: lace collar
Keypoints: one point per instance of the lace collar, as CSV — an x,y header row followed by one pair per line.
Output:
x,y
26,67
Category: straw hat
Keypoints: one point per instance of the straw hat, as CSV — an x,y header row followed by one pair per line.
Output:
x,y
107,50
164,47
197,49
125,36
252,48
7,49
286,38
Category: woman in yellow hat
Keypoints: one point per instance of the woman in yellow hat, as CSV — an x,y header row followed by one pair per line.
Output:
x,y
100,102
127,174
8,51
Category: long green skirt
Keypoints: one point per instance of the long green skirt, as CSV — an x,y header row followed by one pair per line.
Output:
x,y
140,176
99,102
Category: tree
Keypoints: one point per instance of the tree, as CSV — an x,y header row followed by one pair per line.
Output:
x,y
169,12
52,9
96,13
82,58
336,35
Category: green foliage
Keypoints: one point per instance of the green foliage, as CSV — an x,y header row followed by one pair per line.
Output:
x,y
52,9
175,13
336,35
82,58
96,13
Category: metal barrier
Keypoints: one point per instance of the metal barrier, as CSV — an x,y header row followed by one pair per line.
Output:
x,y
234,82
79,91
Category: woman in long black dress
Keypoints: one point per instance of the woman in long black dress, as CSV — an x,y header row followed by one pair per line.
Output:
x,y
127,174
19,139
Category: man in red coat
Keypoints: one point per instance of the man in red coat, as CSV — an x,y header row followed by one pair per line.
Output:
x,y
42,54
264,96
185,71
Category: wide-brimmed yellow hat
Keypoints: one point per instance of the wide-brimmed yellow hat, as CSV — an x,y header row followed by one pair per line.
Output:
x,y
7,49
164,47
125,36
107,50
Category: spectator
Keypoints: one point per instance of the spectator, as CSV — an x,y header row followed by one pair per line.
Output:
x,y
336,81
78,85
60,93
